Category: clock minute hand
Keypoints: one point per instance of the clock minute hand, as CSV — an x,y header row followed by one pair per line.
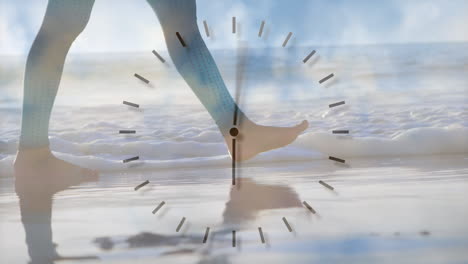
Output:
x,y
240,67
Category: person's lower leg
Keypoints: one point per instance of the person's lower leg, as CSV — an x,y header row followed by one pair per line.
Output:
x,y
63,22
194,61
198,68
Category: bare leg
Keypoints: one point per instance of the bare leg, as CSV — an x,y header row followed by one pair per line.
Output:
x,y
196,65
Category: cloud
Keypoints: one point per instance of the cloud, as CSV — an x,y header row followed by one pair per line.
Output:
x,y
433,22
122,25
376,22
129,26
12,35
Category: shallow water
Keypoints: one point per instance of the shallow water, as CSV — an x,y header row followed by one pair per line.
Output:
x,y
400,100
392,210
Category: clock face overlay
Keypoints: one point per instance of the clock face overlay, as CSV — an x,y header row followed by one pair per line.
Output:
x,y
247,198
260,139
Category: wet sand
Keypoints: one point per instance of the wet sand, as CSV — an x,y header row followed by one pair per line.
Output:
x,y
389,210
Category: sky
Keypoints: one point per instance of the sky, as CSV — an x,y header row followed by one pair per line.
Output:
x,y
131,25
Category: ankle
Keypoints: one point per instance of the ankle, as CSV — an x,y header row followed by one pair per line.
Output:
x,y
33,154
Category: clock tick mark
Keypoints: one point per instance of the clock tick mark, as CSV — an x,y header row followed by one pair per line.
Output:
x,y
206,235
159,56
131,104
262,238
326,78
260,31
287,39
127,131
131,159
141,78
326,185
424,233
336,104
206,28
287,224
340,131
233,238
308,56
336,159
141,185
234,25
309,207
181,40
159,207
180,224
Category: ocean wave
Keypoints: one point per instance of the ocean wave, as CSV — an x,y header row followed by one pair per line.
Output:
x,y
416,141
394,107
309,146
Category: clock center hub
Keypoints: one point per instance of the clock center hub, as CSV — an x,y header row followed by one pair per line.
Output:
x,y
234,131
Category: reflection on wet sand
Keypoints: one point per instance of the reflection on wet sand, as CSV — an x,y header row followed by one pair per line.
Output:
x,y
251,198
370,185
36,189
244,203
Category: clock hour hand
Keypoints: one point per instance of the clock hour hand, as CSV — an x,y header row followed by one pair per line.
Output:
x,y
233,161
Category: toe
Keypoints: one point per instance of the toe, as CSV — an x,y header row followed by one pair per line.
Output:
x,y
302,126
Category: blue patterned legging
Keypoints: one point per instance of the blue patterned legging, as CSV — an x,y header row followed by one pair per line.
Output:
x,y
65,20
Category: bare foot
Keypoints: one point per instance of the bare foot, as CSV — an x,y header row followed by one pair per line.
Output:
x,y
254,139
39,171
